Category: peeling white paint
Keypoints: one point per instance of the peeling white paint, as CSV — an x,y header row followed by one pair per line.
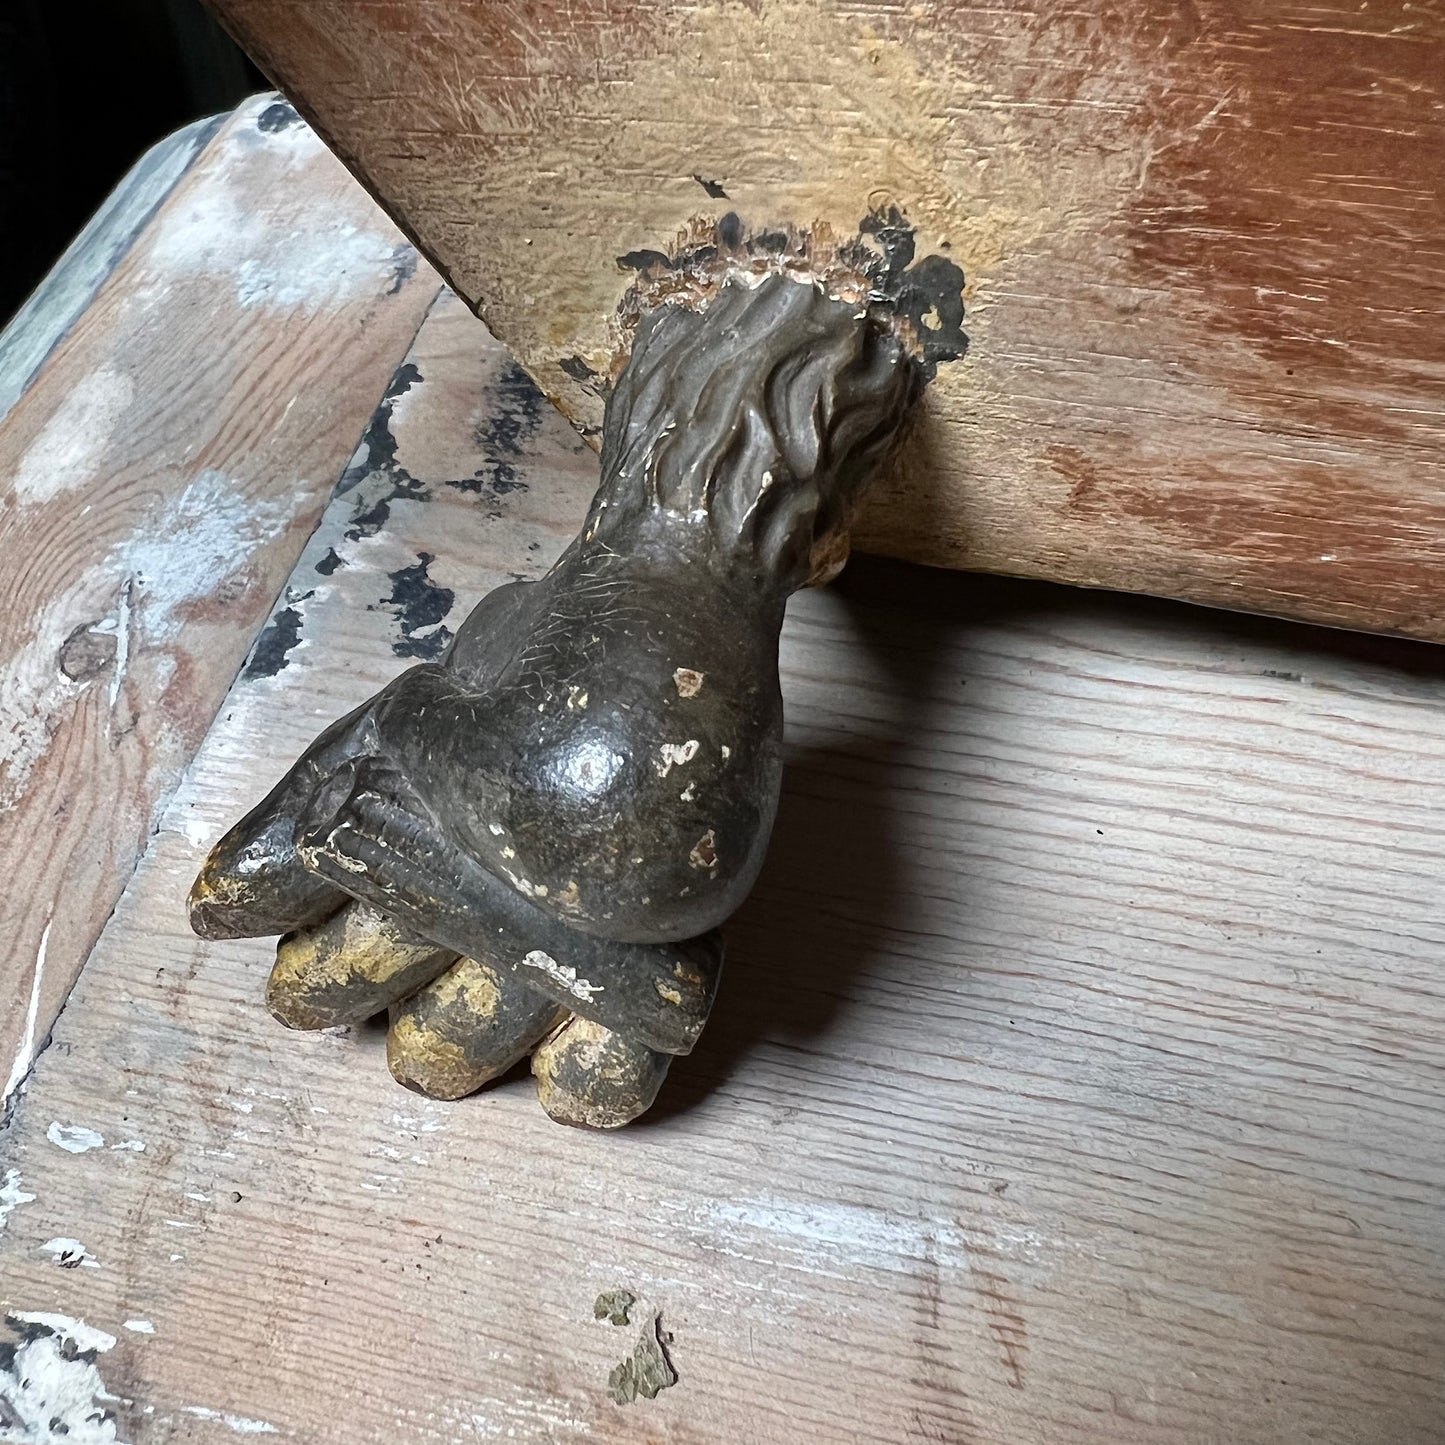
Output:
x,y
671,755
239,1423
177,554
73,1138
132,1146
563,974
122,643
51,1385
11,1196
214,231
69,1253
825,1237
84,1336
138,1327
25,1054
75,438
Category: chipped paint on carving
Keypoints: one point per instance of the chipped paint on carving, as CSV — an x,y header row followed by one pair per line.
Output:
x,y
704,851
688,681
563,974
671,755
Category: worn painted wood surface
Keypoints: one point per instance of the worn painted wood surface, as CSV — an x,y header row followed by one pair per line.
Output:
x,y
157,481
1203,242
1077,1075
62,297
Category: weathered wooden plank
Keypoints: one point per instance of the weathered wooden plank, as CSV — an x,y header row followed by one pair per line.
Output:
x,y
1203,246
61,298
157,481
1077,1072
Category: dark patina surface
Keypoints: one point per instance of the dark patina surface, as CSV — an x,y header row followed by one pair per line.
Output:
x,y
530,843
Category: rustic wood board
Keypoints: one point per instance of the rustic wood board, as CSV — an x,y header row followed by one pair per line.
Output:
x,y
1077,1075
61,298
1203,242
158,479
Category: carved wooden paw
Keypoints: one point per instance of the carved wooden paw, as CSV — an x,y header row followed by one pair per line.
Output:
x,y
528,847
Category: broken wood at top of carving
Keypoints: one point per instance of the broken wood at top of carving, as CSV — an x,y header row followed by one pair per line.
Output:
x,y
1203,246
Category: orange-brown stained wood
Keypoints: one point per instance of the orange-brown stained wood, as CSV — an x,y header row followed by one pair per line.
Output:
x,y
1205,244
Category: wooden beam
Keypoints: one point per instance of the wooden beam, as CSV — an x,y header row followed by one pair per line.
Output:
x,y
1203,246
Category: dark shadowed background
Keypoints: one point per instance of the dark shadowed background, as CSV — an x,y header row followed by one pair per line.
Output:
x,y
85,87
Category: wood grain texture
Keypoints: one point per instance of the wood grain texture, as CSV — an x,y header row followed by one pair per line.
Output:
x,y
70,286
1077,1073
1203,241
157,481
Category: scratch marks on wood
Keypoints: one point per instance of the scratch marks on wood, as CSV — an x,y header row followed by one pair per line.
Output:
x,y
1202,248
1005,1323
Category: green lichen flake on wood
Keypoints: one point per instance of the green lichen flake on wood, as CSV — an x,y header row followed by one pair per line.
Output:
x,y
614,1305
647,1370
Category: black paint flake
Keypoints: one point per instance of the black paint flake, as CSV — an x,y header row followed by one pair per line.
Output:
x,y
929,293
377,456
278,639
577,369
644,260
515,413
403,267
420,605
713,188
280,115
330,562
